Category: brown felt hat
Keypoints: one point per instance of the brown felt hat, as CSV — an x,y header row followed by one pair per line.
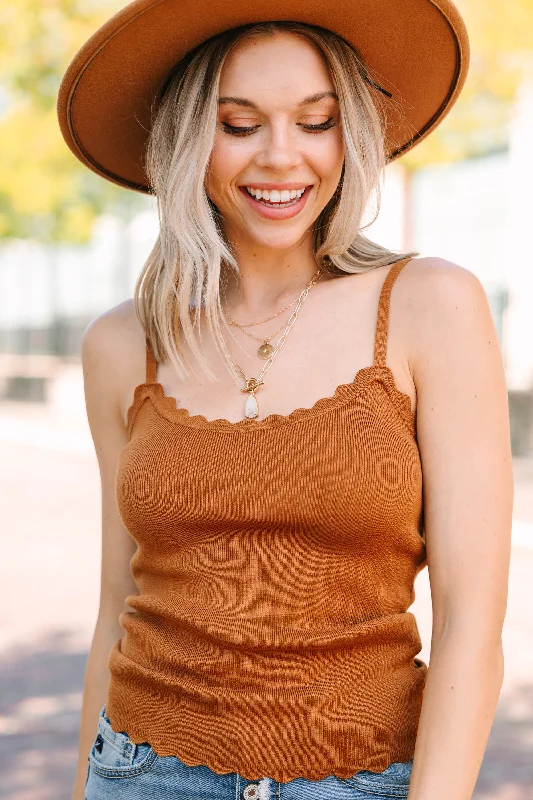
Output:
x,y
416,51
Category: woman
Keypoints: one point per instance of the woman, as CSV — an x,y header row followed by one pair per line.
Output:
x,y
264,518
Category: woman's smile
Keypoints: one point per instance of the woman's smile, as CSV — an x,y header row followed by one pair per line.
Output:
x,y
275,209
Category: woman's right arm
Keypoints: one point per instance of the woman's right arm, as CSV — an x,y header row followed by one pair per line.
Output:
x,y
105,367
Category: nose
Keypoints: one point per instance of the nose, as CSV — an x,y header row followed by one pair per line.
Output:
x,y
278,150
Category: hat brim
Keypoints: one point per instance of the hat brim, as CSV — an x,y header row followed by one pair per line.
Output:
x,y
417,50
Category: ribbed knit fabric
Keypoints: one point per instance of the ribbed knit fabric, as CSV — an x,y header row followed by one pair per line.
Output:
x,y
275,564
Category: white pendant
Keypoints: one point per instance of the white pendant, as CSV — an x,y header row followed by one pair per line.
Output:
x,y
251,409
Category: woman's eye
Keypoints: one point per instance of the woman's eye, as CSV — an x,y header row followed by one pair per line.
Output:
x,y
236,130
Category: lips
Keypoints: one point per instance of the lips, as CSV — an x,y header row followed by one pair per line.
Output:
x,y
274,212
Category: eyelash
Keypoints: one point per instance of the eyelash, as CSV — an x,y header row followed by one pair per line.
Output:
x,y
236,131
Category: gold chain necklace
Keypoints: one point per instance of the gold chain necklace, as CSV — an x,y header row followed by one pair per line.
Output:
x,y
251,408
266,349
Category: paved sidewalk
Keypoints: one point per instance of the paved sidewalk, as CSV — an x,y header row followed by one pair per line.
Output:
x,y
50,579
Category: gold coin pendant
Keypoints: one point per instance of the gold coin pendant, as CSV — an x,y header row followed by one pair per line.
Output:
x,y
265,351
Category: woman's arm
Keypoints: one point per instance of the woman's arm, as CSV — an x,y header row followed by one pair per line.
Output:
x,y
464,439
106,366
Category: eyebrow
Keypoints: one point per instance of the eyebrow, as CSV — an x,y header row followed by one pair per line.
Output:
x,y
313,98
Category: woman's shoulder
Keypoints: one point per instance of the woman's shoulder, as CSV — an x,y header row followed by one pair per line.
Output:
x,y
426,271
426,283
113,352
444,304
431,284
119,320
116,335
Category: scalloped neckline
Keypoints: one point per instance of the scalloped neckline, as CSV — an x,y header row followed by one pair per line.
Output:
x,y
342,394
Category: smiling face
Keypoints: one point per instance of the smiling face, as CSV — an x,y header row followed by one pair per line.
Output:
x,y
278,128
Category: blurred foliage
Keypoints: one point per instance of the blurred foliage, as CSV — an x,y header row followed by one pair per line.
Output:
x,y
501,44
45,192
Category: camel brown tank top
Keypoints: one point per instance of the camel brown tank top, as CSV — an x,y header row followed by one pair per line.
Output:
x,y
275,566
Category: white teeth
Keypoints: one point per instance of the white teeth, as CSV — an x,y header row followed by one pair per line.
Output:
x,y
275,196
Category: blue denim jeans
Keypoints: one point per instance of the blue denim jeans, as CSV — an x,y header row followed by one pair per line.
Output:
x,y
119,769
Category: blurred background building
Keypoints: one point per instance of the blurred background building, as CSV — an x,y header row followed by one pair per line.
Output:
x,y
72,246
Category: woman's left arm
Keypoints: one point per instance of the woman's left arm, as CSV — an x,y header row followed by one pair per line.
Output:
x,y
464,439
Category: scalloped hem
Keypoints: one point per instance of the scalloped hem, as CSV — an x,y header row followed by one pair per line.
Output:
x,y
223,768
343,394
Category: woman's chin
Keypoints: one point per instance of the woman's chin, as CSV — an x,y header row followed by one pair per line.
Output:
x,y
267,234
275,241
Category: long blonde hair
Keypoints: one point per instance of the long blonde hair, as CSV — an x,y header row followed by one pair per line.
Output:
x,y
183,272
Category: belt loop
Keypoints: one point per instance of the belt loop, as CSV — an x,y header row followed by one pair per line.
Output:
x,y
129,751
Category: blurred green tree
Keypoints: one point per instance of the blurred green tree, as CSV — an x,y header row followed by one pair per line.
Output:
x,y
501,56
46,193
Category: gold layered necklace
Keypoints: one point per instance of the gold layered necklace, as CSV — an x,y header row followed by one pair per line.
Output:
x,y
266,351
266,348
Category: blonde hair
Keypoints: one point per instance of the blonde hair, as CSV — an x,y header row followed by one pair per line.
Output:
x,y
183,272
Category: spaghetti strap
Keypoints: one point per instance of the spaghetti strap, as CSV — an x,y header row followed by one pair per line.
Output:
x,y
382,325
151,365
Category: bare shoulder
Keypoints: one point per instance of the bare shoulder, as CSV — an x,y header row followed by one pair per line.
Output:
x,y
113,356
427,278
447,308
116,328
